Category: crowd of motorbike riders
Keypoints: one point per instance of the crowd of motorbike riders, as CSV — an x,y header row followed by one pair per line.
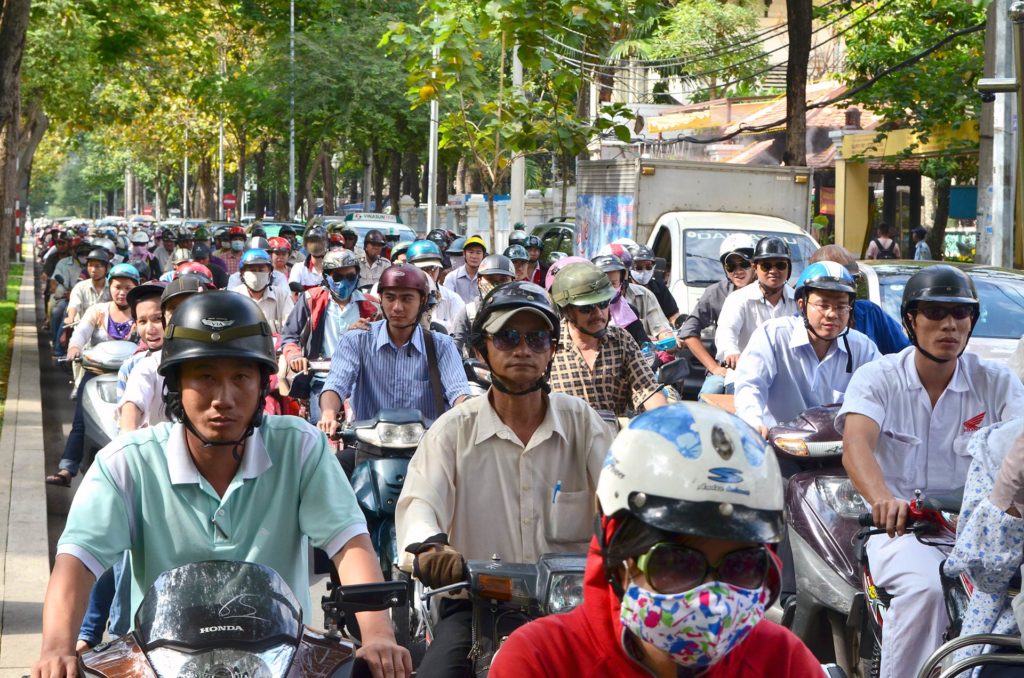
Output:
x,y
684,555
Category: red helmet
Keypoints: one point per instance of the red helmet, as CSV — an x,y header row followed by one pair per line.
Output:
x,y
337,240
191,267
236,230
404,276
278,244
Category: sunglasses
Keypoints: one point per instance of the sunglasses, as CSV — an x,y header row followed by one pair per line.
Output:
x,y
338,277
733,264
674,568
589,308
767,266
537,341
940,312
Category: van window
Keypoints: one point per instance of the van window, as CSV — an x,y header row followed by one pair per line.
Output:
x,y
701,266
663,245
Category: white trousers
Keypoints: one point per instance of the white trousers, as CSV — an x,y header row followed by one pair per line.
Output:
x,y
909,571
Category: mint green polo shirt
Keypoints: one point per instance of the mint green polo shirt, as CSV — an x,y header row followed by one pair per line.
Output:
x,y
144,494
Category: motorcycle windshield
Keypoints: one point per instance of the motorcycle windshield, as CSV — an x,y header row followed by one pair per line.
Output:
x,y
219,604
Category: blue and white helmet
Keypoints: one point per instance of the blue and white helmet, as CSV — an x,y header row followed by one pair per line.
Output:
x,y
695,469
825,275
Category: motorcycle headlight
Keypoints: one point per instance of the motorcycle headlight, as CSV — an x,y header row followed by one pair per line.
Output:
x,y
801,448
565,592
272,663
392,435
841,495
108,392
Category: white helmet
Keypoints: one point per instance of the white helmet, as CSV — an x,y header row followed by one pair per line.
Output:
x,y
140,238
105,243
695,469
737,243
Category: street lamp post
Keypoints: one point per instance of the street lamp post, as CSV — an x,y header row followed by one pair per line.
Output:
x,y
291,121
435,113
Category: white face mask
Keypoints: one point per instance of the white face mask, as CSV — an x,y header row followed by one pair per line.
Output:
x,y
256,280
642,277
237,245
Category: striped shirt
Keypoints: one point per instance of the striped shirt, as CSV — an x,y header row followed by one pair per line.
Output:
x,y
379,375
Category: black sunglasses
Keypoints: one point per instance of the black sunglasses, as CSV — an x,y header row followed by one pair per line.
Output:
x,y
338,277
537,341
767,266
674,568
589,308
940,312
732,264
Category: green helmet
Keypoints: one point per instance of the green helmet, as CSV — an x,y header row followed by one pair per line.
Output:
x,y
580,285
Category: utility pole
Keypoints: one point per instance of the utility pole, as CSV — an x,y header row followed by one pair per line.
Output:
x,y
518,178
435,114
184,181
291,121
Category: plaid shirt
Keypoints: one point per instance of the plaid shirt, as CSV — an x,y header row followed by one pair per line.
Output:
x,y
620,378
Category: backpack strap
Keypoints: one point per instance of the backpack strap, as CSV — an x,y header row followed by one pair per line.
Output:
x,y
435,371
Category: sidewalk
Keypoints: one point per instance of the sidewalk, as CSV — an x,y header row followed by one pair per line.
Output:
x,y
24,554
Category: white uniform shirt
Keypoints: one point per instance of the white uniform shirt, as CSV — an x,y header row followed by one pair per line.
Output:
x,y
301,274
473,479
369,274
145,390
779,375
921,448
277,279
276,303
743,312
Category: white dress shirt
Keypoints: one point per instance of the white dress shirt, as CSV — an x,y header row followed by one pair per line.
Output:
x,y
779,374
743,312
145,390
276,303
447,308
921,447
474,480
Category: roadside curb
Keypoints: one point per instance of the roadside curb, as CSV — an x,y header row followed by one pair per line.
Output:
x,y
24,551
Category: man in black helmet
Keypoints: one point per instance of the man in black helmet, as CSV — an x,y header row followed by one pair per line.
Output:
x,y
530,454
907,420
222,482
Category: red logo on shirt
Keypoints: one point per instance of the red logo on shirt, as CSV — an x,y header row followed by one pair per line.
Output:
x,y
974,423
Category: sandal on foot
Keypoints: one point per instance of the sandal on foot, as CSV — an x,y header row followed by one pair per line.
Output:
x,y
62,478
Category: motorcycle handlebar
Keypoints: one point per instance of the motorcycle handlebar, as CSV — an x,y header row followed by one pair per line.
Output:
x,y
866,519
458,586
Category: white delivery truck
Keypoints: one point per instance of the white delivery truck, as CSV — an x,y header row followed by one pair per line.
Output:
x,y
684,209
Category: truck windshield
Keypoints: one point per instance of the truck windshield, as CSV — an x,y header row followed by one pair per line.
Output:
x,y
700,248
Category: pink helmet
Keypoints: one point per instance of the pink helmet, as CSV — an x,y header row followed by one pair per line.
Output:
x,y
559,265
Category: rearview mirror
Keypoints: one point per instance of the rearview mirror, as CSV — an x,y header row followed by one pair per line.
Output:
x,y
673,372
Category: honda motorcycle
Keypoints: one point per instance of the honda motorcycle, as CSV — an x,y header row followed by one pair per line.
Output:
x,y
227,618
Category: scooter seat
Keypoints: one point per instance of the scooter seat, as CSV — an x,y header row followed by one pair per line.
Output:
x,y
950,501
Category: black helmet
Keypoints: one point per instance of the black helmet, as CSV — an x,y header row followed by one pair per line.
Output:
x,y
771,247
374,237
643,253
516,238
98,254
153,289
286,230
314,233
439,237
506,300
184,285
532,241
939,283
217,325
608,263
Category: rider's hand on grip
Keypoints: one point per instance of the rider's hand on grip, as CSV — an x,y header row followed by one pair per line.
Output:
x,y
891,515
299,365
1008,489
328,423
438,565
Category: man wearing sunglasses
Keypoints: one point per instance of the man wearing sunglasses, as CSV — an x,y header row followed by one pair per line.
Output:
x,y
512,472
745,310
734,254
795,363
907,421
599,362
321,316
680,573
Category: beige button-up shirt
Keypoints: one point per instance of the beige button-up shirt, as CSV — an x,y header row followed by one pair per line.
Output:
x,y
473,479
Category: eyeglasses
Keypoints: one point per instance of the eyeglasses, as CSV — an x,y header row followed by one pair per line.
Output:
x,y
674,568
732,264
825,309
767,266
537,341
589,308
940,312
338,277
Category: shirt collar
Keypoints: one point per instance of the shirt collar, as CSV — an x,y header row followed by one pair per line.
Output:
x,y
183,471
489,424
959,383
801,337
381,337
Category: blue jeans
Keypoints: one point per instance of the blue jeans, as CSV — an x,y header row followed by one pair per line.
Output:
x,y
74,448
60,308
316,385
714,384
109,599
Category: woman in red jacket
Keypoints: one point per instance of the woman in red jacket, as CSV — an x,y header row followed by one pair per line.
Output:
x,y
680,574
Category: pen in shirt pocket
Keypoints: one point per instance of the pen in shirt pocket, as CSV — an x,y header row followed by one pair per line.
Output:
x,y
558,488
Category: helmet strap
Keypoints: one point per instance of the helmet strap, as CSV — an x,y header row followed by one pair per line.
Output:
x,y
844,336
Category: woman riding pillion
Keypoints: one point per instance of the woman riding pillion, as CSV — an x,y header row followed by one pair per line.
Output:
x,y
680,570
101,322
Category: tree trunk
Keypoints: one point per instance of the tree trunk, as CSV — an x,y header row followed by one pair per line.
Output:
x,y
798,13
260,208
411,177
8,197
241,138
14,16
302,172
937,237
35,127
378,180
206,192
395,180
327,172
442,183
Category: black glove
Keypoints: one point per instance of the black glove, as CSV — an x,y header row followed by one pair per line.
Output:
x,y
437,564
